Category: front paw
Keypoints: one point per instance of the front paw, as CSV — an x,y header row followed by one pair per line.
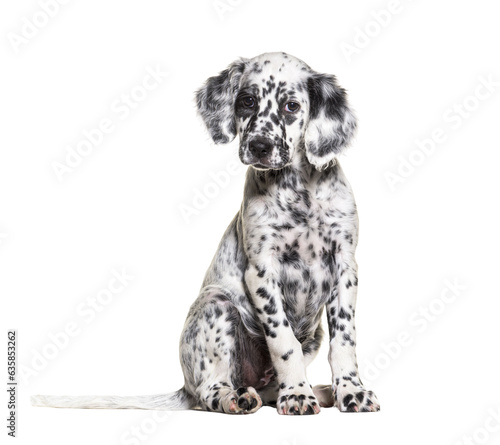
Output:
x,y
352,399
297,400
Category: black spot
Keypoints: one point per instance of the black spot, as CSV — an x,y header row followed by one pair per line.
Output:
x,y
291,258
261,271
275,119
262,292
268,331
325,287
217,311
266,110
343,314
287,355
347,399
270,308
274,323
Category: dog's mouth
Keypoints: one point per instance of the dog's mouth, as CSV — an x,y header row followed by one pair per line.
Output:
x,y
271,161
262,164
259,166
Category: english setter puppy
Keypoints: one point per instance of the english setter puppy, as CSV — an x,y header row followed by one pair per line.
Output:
x,y
287,254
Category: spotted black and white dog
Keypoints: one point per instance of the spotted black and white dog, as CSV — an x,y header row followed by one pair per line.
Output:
x,y
288,253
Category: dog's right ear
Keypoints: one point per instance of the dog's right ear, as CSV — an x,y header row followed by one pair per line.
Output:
x,y
215,102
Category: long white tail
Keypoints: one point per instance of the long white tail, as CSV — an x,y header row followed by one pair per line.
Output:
x,y
177,400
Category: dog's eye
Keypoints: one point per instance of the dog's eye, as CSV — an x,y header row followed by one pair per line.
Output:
x,y
292,107
248,101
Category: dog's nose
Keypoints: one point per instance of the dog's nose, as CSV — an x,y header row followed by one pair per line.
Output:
x,y
260,147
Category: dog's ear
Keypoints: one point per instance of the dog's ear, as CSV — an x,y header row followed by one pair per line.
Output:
x,y
215,102
331,125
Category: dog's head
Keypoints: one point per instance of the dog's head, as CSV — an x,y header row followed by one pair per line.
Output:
x,y
277,105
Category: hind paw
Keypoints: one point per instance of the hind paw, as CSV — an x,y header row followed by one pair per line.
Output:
x,y
241,401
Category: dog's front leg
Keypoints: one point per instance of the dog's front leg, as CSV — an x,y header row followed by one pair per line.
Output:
x,y
349,394
295,395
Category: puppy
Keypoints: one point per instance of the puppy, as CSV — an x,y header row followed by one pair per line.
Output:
x,y
288,254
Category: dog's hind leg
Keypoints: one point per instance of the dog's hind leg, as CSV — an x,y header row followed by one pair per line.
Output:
x,y
211,359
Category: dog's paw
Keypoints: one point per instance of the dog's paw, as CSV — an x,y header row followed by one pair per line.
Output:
x,y
241,401
353,399
297,401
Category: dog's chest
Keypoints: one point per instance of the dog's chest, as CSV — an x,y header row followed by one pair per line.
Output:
x,y
305,228
299,231
306,256
306,235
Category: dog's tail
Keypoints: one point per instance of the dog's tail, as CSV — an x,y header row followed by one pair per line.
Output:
x,y
178,400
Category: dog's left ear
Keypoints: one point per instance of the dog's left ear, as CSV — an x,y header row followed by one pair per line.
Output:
x,y
215,102
331,125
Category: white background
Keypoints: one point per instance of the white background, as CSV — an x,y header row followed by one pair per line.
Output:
x,y
120,209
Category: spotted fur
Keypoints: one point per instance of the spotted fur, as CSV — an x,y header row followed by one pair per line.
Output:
x,y
287,255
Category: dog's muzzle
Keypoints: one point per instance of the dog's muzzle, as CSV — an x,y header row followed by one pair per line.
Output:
x,y
260,153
